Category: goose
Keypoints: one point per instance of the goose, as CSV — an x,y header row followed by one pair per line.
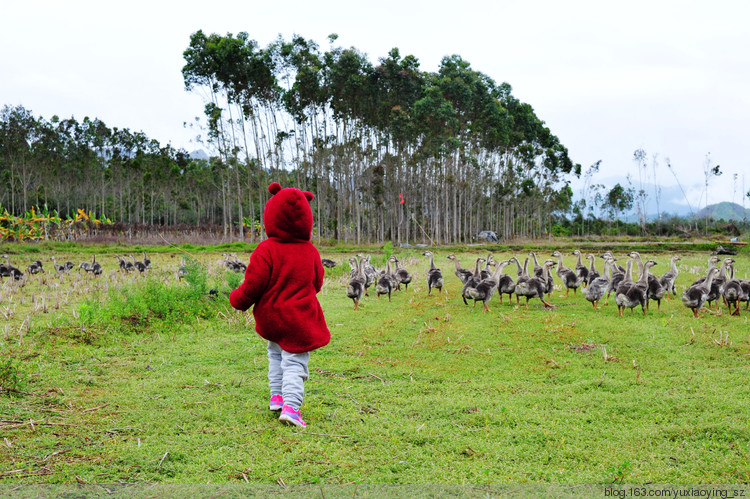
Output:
x,y
505,283
535,287
125,265
60,269
487,287
472,282
4,268
593,273
69,266
617,267
140,266
745,292
732,292
711,264
519,271
616,277
356,288
386,283
9,270
35,267
596,288
580,269
668,279
328,263
461,273
402,275
434,276
538,271
486,272
570,279
624,279
653,281
96,267
695,296
636,294
371,273
717,284
146,261
231,262
655,289
85,266
523,278
354,268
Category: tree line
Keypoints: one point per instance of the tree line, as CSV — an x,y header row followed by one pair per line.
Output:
x,y
391,152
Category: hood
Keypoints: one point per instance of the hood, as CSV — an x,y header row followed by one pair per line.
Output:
x,y
288,215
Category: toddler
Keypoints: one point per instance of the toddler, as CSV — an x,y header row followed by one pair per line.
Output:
x,y
282,279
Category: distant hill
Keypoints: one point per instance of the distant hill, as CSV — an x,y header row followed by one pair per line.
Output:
x,y
199,154
725,211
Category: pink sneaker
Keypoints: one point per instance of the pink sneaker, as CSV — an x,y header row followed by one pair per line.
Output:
x,y
289,415
277,402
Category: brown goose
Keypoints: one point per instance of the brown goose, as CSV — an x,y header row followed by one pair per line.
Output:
x,y
569,278
434,276
402,275
732,293
668,279
596,288
472,282
356,288
696,295
461,273
580,269
593,273
487,287
536,287
636,294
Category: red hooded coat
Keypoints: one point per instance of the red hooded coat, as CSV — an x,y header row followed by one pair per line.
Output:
x,y
284,275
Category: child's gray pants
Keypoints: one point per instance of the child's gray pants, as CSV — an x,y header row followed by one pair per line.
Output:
x,y
287,373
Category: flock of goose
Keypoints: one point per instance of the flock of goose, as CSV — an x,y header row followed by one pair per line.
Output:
x,y
127,264
488,278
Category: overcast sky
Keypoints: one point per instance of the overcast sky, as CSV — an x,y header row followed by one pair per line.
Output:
x,y
670,77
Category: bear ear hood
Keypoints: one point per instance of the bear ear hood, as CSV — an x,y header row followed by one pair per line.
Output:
x,y
288,215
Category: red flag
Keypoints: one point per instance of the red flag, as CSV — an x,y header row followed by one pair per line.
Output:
x,y
401,195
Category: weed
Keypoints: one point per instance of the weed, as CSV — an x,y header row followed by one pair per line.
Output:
x,y
12,378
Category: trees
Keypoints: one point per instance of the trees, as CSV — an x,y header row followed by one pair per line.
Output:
x,y
460,151
618,200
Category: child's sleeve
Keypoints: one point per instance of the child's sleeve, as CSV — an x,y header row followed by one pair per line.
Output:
x,y
257,277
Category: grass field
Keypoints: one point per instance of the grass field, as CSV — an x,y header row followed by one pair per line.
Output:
x,y
146,379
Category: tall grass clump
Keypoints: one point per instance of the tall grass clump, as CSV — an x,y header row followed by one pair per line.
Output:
x,y
136,307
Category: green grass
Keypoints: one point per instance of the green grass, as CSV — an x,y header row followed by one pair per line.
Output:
x,y
420,390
